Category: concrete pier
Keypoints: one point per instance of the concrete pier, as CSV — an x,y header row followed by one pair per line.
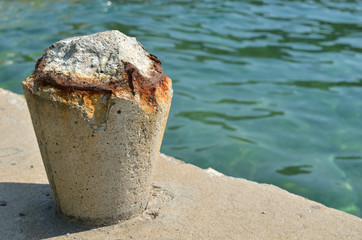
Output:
x,y
99,106
186,202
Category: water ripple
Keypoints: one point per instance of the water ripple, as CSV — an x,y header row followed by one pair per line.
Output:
x,y
204,117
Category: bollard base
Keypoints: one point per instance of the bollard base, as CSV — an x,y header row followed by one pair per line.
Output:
x,y
95,222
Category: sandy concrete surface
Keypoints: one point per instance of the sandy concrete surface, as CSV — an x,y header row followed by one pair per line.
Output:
x,y
186,201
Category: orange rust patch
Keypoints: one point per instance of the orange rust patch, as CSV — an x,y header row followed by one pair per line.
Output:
x,y
93,106
151,91
147,88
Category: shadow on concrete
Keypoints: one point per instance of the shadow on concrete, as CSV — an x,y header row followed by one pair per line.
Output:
x,y
27,211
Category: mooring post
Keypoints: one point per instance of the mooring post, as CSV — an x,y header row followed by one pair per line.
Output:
x,y
99,106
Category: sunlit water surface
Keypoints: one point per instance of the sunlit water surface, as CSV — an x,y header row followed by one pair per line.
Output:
x,y
264,90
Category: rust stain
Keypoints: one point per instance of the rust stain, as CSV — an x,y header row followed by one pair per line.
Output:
x,y
128,81
94,106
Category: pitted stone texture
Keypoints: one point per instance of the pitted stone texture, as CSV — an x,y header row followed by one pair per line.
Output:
x,y
99,106
97,56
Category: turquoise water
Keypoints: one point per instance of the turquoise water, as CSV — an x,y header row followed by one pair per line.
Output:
x,y
264,90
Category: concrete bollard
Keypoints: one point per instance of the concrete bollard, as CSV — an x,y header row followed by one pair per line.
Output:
x,y
99,106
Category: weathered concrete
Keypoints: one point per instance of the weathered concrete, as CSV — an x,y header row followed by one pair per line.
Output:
x,y
99,106
187,202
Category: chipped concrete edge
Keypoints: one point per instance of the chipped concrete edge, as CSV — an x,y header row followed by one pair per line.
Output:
x,y
212,173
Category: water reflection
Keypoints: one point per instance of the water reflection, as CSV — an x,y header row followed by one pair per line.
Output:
x,y
351,167
295,170
349,158
8,58
180,148
242,139
235,101
175,127
184,94
200,115
236,83
124,28
205,148
204,117
322,85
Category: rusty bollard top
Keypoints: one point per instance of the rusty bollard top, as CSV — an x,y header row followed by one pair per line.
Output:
x,y
102,63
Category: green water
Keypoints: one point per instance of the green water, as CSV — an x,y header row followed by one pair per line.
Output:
x,y
264,90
